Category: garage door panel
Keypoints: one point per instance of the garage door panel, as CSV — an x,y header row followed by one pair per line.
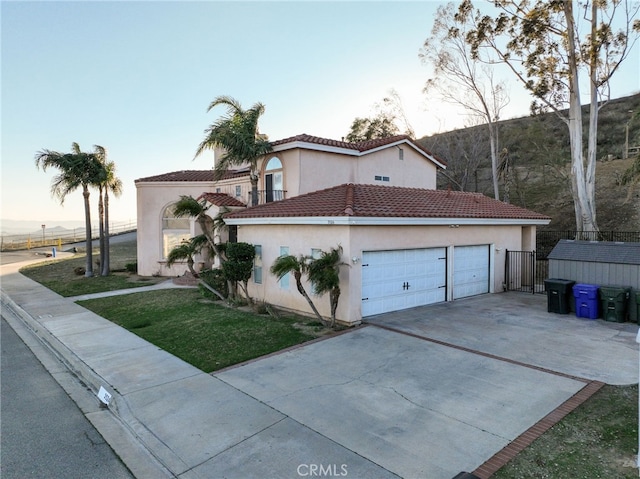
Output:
x,y
470,270
400,279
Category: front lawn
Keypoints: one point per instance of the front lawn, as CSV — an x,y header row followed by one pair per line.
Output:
x,y
597,440
202,332
59,275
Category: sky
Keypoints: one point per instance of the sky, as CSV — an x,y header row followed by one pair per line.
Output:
x,y
137,78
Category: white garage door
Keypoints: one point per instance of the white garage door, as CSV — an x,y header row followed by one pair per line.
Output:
x,y
400,279
470,270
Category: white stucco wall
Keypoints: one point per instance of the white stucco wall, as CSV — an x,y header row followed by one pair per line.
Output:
x,y
152,199
354,240
305,171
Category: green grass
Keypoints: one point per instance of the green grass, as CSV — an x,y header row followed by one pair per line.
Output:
x,y
597,440
59,275
205,334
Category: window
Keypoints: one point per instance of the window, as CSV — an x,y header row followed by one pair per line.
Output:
x,y
284,282
400,153
218,190
381,178
257,265
238,190
174,230
273,185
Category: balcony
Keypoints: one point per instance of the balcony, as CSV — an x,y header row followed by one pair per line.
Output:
x,y
268,196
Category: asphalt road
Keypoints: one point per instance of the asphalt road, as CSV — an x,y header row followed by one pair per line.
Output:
x,y
44,434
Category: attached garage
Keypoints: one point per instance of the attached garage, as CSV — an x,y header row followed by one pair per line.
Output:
x,y
401,279
402,247
471,270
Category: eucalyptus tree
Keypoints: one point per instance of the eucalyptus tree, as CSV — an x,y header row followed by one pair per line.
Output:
x,y
540,42
76,170
462,80
238,135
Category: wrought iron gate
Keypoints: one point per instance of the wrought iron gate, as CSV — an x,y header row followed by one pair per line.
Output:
x,y
524,272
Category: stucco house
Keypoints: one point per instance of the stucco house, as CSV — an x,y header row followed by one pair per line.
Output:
x,y
406,243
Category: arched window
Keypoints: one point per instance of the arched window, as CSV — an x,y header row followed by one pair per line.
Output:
x,y
273,184
174,230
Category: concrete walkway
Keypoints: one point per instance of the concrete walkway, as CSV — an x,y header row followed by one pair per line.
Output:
x,y
367,403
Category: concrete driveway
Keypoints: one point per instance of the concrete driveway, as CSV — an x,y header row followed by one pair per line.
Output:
x,y
516,326
417,407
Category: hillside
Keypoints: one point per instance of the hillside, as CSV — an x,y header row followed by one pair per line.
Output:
x,y
538,152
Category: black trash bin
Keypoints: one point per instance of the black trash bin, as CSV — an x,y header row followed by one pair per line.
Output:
x,y
614,301
558,295
638,306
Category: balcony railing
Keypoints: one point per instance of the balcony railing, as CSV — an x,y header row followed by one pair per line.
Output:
x,y
268,196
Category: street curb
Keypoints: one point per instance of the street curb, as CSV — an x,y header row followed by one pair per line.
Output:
x,y
138,448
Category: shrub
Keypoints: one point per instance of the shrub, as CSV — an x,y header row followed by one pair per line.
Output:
x,y
214,278
131,267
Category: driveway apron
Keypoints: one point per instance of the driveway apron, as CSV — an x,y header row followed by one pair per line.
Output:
x,y
416,408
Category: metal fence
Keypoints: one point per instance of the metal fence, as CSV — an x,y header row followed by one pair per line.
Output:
x,y
525,272
56,238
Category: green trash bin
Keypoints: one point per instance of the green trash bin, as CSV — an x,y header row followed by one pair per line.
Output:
x,y
614,300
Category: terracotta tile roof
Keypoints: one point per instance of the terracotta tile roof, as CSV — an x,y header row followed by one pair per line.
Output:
x,y
360,146
193,175
391,202
221,199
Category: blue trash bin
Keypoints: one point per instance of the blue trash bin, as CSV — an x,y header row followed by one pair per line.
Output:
x,y
587,300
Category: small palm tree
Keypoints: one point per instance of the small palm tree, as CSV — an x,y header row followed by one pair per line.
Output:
x,y
237,133
189,206
77,169
186,251
297,266
324,273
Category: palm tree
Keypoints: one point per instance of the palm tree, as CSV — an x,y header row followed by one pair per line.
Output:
x,y
189,206
114,184
187,250
77,169
237,133
298,266
324,274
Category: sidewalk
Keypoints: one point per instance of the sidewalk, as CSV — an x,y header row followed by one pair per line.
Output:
x,y
174,416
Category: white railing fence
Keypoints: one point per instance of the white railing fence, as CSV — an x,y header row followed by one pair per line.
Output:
x,y
58,238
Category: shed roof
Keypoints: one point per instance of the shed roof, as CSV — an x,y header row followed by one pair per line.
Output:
x,y
596,252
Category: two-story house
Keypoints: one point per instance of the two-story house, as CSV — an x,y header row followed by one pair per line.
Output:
x,y
406,243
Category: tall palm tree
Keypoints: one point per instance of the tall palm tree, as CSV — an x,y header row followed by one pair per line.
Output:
x,y
77,169
237,133
297,266
110,183
324,274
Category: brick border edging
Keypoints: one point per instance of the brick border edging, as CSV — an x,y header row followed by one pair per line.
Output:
x,y
511,450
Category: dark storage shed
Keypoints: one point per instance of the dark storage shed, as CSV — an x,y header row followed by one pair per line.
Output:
x,y
602,263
